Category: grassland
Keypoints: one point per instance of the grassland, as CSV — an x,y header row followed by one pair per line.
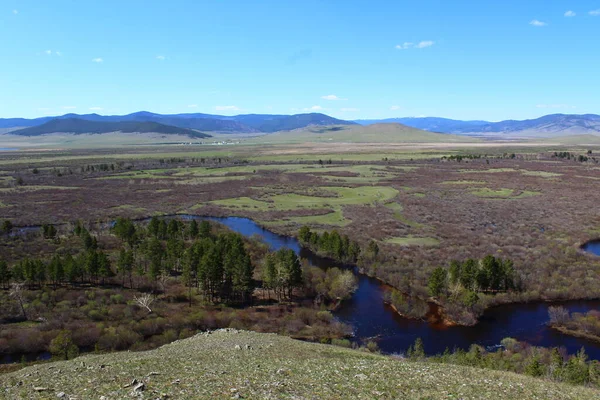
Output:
x,y
421,209
237,364
377,133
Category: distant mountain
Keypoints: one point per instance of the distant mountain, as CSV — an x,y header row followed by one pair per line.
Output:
x,y
553,125
547,126
81,126
432,124
250,123
275,123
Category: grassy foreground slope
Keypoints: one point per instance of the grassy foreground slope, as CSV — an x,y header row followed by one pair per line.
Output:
x,y
249,365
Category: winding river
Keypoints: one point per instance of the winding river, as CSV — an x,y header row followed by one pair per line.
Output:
x,y
371,318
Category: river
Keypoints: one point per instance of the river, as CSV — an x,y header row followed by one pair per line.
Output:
x,y
371,318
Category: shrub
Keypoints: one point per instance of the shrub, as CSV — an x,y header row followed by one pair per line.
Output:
x,y
63,347
342,343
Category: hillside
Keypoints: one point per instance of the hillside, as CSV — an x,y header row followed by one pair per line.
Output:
x,y
577,140
548,126
377,133
250,123
434,124
79,126
291,122
228,364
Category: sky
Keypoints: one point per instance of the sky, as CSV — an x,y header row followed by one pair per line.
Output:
x,y
488,60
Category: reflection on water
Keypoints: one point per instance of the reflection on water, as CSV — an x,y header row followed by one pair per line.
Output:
x,y
371,318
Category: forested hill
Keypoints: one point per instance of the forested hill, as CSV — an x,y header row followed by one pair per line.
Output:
x,y
80,126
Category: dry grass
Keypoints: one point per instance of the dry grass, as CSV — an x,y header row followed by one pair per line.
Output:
x,y
227,363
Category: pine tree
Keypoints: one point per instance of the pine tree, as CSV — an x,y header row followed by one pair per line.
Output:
x,y
193,230
437,282
4,274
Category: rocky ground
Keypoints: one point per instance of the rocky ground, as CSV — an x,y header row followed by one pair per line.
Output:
x,y
228,364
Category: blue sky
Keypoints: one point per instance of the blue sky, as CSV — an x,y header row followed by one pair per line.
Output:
x,y
350,59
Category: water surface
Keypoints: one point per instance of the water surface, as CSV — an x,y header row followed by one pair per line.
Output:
x,y
371,318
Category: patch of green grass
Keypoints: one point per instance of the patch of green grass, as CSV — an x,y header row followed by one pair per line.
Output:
x,y
413,241
142,174
244,202
503,193
209,179
419,194
345,196
338,198
397,208
543,174
335,218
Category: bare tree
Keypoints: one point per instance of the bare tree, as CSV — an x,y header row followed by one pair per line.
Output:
x,y
162,280
558,315
144,301
16,292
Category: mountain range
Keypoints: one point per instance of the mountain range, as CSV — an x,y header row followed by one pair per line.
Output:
x,y
548,126
250,123
80,126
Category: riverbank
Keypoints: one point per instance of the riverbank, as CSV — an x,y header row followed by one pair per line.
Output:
x,y
576,333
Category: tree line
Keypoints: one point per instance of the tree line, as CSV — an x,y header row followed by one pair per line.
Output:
x,y
217,265
489,274
331,244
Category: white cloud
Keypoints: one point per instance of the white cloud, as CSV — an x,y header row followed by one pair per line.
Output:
x,y
313,108
404,46
570,13
595,13
49,52
410,45
58,53
538,23
69,107
555,106
394,108
97,60
192,105
96,108
161,58
227,108
15,12
332,97
424,44
349,109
